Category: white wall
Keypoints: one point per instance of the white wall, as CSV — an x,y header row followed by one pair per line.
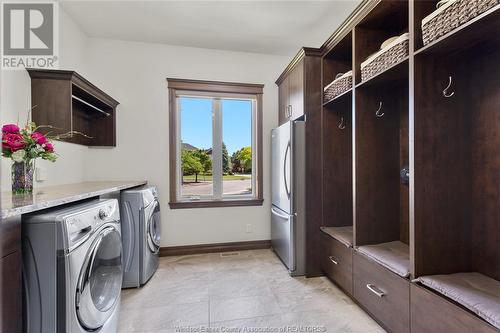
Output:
x,y
15,101
135,74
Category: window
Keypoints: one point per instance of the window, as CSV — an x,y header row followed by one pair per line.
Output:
x,y
215,143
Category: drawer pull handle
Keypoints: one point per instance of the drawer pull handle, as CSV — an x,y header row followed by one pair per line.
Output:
x,y
375,290
333,260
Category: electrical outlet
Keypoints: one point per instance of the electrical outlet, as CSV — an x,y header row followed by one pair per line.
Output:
x,y
40,174
249,228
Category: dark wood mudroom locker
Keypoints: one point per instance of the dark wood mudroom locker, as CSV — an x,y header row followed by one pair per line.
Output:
x,y
410,127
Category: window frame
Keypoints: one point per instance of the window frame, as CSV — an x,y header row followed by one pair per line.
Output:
x,y
199,88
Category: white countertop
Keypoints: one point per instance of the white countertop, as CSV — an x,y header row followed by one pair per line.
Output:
x,y
51,196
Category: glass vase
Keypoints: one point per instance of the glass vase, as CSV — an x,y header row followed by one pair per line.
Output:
x,y
22,177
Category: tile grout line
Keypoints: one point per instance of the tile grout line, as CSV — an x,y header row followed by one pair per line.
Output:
x,y
246,318
209,319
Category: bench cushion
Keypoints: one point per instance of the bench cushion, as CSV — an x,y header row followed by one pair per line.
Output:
x,y
342,234
394,256
475,291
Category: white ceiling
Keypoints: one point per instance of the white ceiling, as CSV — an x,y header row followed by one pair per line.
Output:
x,y
271,27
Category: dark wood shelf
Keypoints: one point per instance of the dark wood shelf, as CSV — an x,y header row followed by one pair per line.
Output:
x,y
68,102
387,15
338,59
387,19
89,106
342,50
395,72
338,97
467,35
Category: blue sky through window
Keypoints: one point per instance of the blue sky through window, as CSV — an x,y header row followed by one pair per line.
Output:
x,y
196,122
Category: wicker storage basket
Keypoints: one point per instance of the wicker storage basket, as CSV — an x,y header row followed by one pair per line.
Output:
x,y
451,15
388,56
338,86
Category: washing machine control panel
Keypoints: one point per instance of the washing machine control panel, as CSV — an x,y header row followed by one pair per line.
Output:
x,y
102,214
80,225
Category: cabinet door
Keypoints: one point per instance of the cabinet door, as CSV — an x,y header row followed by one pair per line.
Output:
x,y
10,293
284,101
10,235
10,275
296,79
52,99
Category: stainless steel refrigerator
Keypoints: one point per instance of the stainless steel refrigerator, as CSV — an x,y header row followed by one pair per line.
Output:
x,y
288,195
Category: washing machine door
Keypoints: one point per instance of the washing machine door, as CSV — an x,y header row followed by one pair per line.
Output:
x,y
100,281
153,226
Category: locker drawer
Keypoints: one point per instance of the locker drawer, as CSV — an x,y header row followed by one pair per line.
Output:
x,y
337,263
385,295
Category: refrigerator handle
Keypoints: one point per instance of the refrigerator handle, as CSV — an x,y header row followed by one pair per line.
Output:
x,y
284,170
275,212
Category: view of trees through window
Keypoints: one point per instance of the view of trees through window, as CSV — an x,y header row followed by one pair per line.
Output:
x,y
197,154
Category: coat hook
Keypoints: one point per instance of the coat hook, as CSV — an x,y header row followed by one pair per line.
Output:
x,y
342,123
445,91
378,113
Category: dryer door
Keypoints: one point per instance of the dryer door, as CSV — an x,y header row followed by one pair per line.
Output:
x,y
100,281
153,226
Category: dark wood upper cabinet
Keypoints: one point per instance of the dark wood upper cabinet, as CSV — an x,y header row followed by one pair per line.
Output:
x,y
297,90
284,101
68,102
291,92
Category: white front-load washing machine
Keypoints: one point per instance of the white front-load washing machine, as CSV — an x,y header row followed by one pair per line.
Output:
x,y
72,260
141,234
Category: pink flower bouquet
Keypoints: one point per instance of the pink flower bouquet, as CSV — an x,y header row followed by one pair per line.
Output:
x,y
26,144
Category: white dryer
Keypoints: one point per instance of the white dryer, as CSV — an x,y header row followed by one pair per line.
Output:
x,y
72,260
141,234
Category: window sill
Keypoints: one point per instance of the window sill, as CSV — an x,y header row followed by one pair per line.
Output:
x,y
215,203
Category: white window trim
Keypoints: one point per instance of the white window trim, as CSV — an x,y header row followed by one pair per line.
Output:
x,y
217,139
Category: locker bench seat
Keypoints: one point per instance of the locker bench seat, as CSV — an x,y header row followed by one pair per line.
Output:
x,y
475,291
342,234
394,256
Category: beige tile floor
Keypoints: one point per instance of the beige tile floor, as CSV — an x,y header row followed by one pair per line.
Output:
x,y
248,292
